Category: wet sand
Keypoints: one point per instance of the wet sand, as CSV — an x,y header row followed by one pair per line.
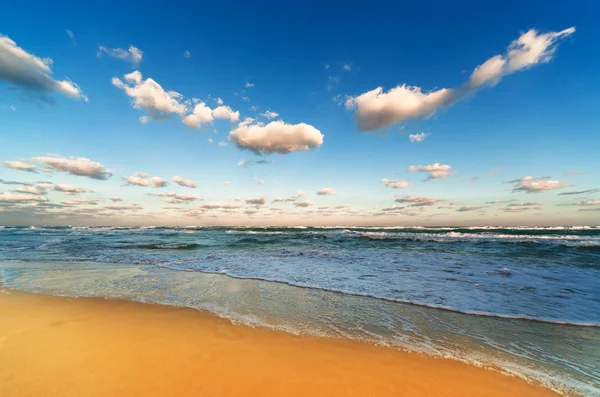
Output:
x,y
53,346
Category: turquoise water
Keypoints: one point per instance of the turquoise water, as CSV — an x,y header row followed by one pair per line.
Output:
x,y
522,300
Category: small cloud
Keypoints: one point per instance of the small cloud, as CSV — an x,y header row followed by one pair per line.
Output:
x,y
304,204
144,119
210,140
494,172
132,55
395,184
222,143
326,66
187,54
325,191
574,173
589,191
20,165
256,200
469,208
435,170
473,179
243,163
71,36
420,137
69,189
12,108
76,166
219,101
249,84
347,67
530,184
257,180
181,181
269,114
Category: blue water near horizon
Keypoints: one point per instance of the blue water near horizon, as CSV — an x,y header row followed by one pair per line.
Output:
x,y
497,275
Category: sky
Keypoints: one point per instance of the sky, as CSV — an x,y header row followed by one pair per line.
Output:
x,y
268,113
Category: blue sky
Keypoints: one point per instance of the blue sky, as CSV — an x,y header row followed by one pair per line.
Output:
x,y
534,116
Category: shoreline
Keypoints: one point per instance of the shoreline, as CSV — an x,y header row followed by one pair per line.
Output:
x,y
60,346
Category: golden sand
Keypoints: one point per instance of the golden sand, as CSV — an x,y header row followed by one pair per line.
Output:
x,y
52,346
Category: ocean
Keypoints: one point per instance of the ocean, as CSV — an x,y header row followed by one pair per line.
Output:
x,y
524,301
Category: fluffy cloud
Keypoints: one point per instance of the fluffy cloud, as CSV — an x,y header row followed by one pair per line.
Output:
x,y
528,50
69,189
420,137
325,191
435,170
219,206
200,115
20,165
141,179
376,108
276,137
304,204
530,184
150,96
395,184
225,113
157,181
32,74
132,55
256,200
8,197
183,182
417,201
76,166
269,114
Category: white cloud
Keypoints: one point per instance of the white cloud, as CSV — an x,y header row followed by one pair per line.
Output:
x,y
435,170
32,74
494,172
256,200
183,182
115,199
144,119
182,198
141,179
347,67
210,140
187,54
222,143
225,113
12,108
20,165
420,137
30,190
257,180
530,184
150,96
417,201
305,203
327,191
8,197
69,189
200,115
249,85
219,101
157,181
300,193
269,114
376,108
276,137
395,184
76,166
528,50
132,55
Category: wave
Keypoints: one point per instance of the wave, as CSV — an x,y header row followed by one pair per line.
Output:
x,y
387,299
188,246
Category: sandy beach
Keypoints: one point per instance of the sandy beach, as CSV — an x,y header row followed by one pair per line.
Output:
x,y
55,346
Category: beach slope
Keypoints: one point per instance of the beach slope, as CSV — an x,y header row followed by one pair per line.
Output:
x,y
56,346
